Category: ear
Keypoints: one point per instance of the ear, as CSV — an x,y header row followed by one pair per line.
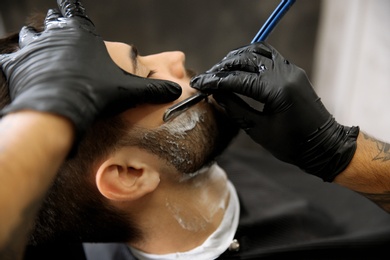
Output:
x,y
127,175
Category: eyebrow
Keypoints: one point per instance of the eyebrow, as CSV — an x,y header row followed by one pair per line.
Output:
x,y
133,53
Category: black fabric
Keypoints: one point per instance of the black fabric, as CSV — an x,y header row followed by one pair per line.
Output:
x,y
55,252
288,213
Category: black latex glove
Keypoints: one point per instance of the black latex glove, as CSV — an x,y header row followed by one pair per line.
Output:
x,y
294,125
67,70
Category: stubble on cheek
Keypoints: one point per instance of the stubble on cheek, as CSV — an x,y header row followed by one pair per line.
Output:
x,y
193,140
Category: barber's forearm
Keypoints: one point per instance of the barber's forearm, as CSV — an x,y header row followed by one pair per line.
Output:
x,y
369,171
32,147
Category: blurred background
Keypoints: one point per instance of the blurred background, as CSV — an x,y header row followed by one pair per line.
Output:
x,y
343,46
204,30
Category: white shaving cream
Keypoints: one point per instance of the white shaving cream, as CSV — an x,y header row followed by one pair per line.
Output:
x,y
210,196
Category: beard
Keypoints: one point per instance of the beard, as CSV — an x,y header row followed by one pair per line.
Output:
x,y
191,141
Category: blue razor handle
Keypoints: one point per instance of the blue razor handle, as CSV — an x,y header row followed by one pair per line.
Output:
x,y
273,20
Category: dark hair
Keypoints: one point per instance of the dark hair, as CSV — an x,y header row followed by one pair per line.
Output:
x,y
74,210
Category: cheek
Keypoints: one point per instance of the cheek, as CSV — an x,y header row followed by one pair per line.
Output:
x,y
147,116
187,91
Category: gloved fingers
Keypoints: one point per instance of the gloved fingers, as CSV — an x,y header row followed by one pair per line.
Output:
x,y
244,62
160,91
251,59
245,83
142,90
276,56
52,15
151,91
259,48
26,36
260,53
263,49
4,58
73,8
52,18
240,111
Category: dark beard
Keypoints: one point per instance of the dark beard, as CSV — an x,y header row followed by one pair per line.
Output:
x,y
193,140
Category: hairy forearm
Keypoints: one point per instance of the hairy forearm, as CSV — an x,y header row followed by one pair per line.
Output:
x,y
369,171
32,147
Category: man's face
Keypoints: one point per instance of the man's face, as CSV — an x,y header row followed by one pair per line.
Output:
x,y
191,140
165,65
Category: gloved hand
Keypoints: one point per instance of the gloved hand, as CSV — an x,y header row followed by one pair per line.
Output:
x,y
294,125
67,70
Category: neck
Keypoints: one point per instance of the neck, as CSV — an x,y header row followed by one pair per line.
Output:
x,y
182,216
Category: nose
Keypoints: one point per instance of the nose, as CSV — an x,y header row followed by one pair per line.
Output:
x,y
171,62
